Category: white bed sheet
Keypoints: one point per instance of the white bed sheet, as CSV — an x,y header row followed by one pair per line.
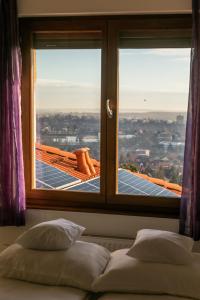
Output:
x,y
11,289
122,296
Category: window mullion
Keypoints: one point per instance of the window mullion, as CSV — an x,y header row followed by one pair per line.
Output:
x,y
112,123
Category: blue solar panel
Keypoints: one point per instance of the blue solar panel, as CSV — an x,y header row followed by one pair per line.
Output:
x,y
52,178
48,177
89,186
42,185
128,183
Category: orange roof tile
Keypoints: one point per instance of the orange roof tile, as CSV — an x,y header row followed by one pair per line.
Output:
x,y
54,150
65,161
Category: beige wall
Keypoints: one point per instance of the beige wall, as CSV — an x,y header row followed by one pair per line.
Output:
x,y
96,7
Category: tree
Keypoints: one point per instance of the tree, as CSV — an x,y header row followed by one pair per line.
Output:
x,y
129,166
160,173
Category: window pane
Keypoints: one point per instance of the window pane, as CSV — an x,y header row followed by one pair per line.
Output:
x,y
67,93
153,96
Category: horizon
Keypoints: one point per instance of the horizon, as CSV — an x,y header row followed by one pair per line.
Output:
x,y
121,112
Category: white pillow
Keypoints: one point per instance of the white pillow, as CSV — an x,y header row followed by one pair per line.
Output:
x,y
77,266
51,235
127,274
162,246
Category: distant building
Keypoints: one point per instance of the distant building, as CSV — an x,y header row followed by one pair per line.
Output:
x,y
172,144
165,137
165,163
70,140
126,136
142,152
90,139
180,119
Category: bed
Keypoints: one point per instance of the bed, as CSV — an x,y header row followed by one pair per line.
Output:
x,y
11,289
97,275
122,296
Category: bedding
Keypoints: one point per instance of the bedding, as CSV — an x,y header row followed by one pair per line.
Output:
x,y
129,275
77,266
11,289
121,296
162,246
57,234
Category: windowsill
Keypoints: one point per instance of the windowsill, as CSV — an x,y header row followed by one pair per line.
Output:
x,y
137,210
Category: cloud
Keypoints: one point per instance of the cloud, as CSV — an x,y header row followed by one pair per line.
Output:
x,y
171,52
67,97
177,88
153,101
178,53
54,83
181,59
129,52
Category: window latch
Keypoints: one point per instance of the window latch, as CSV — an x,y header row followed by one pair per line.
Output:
x,y
109,110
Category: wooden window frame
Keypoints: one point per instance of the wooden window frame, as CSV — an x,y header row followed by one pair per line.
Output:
x,y
107,201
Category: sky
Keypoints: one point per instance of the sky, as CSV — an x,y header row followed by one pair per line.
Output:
x,y
149,80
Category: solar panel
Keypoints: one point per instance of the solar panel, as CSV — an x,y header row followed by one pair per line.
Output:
x,y
92,185
128,183
52,178
48,177
42,185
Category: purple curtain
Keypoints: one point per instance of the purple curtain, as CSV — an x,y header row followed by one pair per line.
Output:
x,y
12,192
190,201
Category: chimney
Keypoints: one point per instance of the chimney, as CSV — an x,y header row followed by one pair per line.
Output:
x,y
84,162
89,162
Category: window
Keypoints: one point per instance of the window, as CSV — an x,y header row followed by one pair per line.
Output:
x,y
153,96
67,98
104,110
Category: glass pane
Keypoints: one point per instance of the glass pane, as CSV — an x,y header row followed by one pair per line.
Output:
x,y
153,96
67,91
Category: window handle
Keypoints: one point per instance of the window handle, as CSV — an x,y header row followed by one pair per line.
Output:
x,y
109,110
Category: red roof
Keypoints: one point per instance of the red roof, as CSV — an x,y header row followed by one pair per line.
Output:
x,y
65,161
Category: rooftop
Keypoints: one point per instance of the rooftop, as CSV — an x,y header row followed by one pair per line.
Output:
x,y
81,172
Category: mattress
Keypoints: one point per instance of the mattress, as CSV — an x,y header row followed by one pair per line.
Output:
x,y
11,289
122,296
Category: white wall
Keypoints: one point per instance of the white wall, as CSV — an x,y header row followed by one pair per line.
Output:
x,y
99,7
